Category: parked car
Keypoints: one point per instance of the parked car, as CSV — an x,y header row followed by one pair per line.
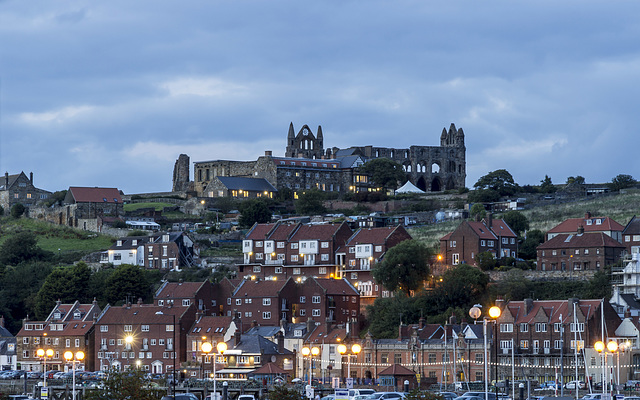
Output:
x,y
448,395
181,396
246,397
591,396
572,385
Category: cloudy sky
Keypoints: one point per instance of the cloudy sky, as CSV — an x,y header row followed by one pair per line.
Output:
x,y
110,93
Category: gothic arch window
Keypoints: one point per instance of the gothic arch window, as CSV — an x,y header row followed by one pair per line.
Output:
x,y
408,167
406,154
377,153
391,153
435,168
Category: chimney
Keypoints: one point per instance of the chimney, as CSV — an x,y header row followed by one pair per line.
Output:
x,y
310,325
327,326
453,320
627,314
268,153
489,219
280,342
283,324
528,306
580,230
500,304
237,335
254,323
6,180
31,177
1,321
587,215
422,322
139,301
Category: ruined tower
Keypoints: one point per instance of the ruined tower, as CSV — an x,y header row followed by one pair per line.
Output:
x,y
181,174
304,144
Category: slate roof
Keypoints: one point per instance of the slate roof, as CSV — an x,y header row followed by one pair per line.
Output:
x,y
248,184
127,242
95,195
336,286
265,331
211,325
305,162
259,288
584,240
633,227
12,180
255,344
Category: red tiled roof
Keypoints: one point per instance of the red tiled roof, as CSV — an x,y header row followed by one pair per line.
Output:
x,y
500,228
585,240
397,370
211,325
481,230
258,288
320,335
282,231
571,225
270,369
259,231
178,290
315,232
376,235
336,286
552,309
139,313
95,195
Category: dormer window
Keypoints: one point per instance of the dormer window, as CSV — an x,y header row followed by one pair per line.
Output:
x,y
57,315
119,243
77,315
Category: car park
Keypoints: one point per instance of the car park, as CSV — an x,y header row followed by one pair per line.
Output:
x,y
181,396
246,397
448,395
573,384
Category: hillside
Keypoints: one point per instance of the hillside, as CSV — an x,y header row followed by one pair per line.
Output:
x,y
621,207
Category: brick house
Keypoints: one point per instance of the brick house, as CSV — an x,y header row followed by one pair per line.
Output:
x,y
265,302
334,301
211,329
282,251
544,335
158,333
577,252
169,251
184,294
326,337
589,224
363,250
67,327
91,206
631,236
19,188
472,237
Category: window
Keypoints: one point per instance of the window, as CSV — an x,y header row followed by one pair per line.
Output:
x,y
128,328
452,243
455,259
104,328
524,327
505,240
168,328
524,344
505,344
324,245
557,344
303,312
280,245
144,328
238,302
490,243
483,243
324,257
315,312
294,258
557,327
315,299
384,358
256,268
577,327
266,302
77,343
294,246
278,270
266,315
303,299
186,302
541,327
506,327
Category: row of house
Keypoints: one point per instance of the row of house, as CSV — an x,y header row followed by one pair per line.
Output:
x,y
161,250
280,250
540,337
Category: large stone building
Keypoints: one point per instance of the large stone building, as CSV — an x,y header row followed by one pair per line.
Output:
x,y
19,188
307,164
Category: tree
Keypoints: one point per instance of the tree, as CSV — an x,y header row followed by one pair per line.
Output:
x,y
477,211
21,247
282,392
622,181
310,202
516,221
461,286
253,211
17,210
529,245
579,180
483,196
499,180
223,271
384,172
126,385
405,266
485,260
56,198
127,281
546,186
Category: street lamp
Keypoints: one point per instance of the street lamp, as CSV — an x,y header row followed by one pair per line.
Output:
x,y
129,341
173,348
221,347
613,348
69,356
355,349
206,348
494,312
600,347
48,353
306,351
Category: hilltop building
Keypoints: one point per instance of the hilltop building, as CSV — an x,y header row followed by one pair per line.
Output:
x,y
307,164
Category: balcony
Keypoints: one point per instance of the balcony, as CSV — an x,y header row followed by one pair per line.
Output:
x,y
273,262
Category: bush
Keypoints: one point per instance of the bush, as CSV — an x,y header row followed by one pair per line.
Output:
x,y
17,210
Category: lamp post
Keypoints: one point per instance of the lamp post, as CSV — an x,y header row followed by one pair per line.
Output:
x,y
173,348
48,353
355,349
613,348
306,351
129,341
206,348
221,347
494,312
69,356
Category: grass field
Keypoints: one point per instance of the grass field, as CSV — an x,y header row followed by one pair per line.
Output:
x,y
54,237
156,206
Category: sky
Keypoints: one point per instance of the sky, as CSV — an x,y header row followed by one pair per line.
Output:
x,y
110,93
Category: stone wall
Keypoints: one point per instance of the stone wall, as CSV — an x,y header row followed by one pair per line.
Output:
x,y
497,276
380,206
